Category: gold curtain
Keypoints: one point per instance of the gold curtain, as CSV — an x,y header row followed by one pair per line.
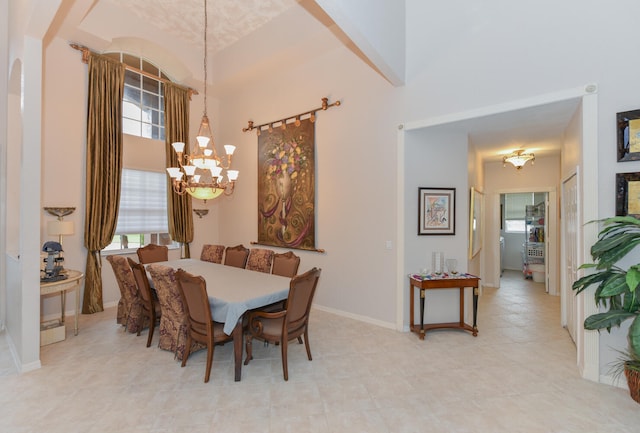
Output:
x,y
176,128
104,168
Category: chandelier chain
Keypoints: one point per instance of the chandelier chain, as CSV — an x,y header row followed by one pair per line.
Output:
x,y
206,26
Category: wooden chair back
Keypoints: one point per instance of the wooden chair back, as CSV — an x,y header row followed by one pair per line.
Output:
x,y
282,326
298,305
236,256
150,307
260,260
153,253
201,327
285,264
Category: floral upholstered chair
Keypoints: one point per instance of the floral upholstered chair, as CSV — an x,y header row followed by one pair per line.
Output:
x,y
173,323
172,328
129,306
212,253
260,260
236,256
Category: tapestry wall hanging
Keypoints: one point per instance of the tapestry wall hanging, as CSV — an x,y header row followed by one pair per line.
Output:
x,y
286,185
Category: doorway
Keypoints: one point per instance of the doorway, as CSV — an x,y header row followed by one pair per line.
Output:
x,y
524,235
584,154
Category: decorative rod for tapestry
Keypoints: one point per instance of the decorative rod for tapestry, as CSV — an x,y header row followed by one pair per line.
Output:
x,y
317,250
85,59
283,122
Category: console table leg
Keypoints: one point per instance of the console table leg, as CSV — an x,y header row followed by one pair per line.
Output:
x,y
63,303
475,311
422,314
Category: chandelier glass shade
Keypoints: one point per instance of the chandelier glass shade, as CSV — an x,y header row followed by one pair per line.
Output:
x,y
200,173
518,158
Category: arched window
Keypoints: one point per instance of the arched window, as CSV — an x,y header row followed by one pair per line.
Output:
x,y
143,102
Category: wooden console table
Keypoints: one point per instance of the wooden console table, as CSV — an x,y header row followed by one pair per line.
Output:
x,y
432,282
72,282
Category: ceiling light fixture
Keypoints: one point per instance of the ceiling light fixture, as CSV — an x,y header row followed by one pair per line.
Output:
x,y
518,158
200,173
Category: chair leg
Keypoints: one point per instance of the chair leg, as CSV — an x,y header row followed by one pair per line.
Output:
x,y
306,344
248,348
175,354
152,325
209,361
285,365
187,351
299,340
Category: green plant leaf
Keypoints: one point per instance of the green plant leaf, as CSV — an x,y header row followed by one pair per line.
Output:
x,y
607,319
633,277
616,285
634,337
609,257
586,281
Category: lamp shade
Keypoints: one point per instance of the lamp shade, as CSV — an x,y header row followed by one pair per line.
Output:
x,y
59,228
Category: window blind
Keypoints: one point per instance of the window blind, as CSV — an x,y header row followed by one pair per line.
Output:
x,y
143,203
514,205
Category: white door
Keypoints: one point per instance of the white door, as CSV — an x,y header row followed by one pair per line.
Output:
x,y
569,265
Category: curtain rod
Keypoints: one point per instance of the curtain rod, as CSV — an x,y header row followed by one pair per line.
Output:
x,y
317,250
85,59
296,117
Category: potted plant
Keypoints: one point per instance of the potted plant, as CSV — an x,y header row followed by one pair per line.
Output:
x,y
617,290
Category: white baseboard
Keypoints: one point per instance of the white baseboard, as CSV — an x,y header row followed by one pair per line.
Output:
x,y
72,312
22,368
618,382
357,317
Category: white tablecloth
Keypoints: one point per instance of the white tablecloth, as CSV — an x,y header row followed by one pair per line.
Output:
x,y
232,291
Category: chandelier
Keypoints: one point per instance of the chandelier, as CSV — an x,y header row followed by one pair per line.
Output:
x,y
200,173
518,158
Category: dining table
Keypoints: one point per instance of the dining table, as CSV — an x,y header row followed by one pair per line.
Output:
x,y
232,292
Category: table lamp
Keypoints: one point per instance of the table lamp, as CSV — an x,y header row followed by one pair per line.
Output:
x,y
60,228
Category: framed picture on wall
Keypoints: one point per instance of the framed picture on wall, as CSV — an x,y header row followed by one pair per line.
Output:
x,y
628,127
628,194
436,211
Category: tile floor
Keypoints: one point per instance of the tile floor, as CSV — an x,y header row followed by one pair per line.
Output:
x,y
518,375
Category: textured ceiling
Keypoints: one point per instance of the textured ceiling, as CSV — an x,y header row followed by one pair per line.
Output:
x,y
228,20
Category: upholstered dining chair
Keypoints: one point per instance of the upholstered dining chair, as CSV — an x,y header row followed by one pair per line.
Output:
x,y
173,322
153,253
236,256
201,327
129,305
285,264
282,326
212,253
151,310
260,260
